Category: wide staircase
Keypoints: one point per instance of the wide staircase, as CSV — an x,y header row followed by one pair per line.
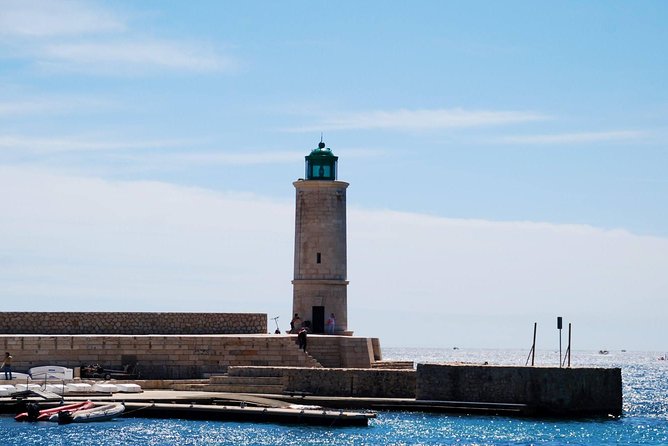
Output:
x,y
393,365
239,379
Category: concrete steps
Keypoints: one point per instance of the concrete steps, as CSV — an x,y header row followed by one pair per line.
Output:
x,y
246,388
240,379
237,384
393,365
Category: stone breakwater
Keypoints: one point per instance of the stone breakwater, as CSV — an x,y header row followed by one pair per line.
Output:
x,y
547,390
182,356
74,323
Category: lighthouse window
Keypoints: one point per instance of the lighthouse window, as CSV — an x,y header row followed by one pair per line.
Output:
x,y
321,171
317,257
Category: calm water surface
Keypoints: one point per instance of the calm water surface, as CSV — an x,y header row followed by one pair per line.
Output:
x,y
645,419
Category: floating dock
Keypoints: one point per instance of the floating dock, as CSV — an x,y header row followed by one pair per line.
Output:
x,y
205,406
289,415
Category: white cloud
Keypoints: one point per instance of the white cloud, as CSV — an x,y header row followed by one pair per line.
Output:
x,y
52,34
481,283
72,243
404,119
220,158
51,105
44,18
132,57
27,144
574,138
131,150
27,107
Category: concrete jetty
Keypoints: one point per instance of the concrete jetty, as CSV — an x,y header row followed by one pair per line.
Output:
x,y
206,406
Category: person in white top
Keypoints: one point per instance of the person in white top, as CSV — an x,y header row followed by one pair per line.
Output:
x,y
331,324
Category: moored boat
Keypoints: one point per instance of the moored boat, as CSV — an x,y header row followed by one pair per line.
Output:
x,y
99,413
35,414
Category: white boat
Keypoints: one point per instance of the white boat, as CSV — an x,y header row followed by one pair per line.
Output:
x,y
99,413
51,372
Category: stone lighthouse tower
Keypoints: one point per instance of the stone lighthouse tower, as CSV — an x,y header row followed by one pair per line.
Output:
x,y
320,285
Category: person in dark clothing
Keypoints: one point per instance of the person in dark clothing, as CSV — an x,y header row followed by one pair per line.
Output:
x,y
301,338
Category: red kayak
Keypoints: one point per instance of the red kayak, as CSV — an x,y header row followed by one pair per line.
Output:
x,y
45,414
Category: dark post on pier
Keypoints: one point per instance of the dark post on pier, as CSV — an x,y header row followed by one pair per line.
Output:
x,y
559,327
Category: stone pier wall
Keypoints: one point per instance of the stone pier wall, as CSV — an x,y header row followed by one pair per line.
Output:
x,y
181,356
369,383
59,323
549,391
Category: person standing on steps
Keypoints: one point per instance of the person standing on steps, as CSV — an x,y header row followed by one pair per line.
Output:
x,y
7,366
295,324
331,324
301,337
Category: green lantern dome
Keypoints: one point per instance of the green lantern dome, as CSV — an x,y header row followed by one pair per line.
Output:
x,y
321,164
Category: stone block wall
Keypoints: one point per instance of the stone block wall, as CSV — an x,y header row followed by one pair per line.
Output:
x,y
181,356
75,323
369,383
549,391
158,357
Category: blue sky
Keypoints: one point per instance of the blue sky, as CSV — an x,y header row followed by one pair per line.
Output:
x,y
147,151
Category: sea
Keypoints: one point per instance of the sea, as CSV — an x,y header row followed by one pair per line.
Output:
x,y
644,420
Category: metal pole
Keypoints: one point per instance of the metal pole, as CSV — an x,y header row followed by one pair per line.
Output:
x,y
532,352
533,346
569,345
559,325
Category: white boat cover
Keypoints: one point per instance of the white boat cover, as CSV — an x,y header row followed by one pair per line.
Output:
x,y
107,388
7,390
22,387
129,388
78,388
56,388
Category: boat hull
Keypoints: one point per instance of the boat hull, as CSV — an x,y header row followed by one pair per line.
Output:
x,y
98,413
45,414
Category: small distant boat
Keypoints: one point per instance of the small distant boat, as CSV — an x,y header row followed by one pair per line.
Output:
x,y
34,414
99,413
603,352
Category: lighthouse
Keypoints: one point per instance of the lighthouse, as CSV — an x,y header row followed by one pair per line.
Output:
x,y
320,278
